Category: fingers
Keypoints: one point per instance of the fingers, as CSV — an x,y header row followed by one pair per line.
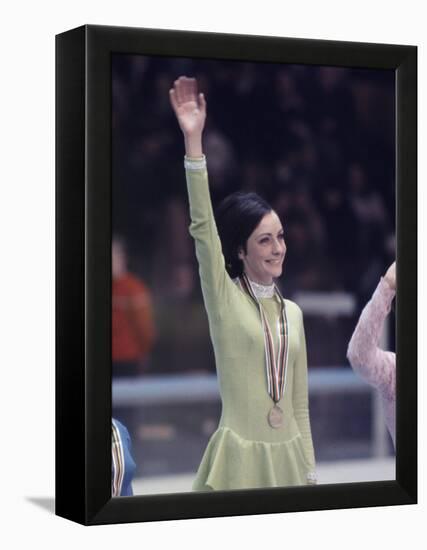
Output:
x,y
173,99
179,89
189,89
185,89
392,269
202,103
390,276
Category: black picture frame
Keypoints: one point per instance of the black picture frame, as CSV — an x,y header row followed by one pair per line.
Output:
x,y
83,274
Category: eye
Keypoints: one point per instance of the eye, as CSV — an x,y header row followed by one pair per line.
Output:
x,y
281,236
264,240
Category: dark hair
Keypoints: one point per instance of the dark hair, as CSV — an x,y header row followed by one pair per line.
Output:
x,y
236,218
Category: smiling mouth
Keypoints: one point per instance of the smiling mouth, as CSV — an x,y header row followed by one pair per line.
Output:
x,y
274,262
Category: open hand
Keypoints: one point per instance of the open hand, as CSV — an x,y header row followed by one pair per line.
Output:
x,y
189,106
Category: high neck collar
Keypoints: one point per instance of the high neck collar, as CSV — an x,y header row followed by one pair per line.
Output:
x,y
261,291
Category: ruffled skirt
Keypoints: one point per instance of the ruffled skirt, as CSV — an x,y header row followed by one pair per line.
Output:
x,y
231,462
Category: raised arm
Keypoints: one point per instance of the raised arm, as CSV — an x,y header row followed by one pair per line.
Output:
x,y
375,365
190,110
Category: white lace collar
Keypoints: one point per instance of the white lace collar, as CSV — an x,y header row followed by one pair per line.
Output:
x,y
261,291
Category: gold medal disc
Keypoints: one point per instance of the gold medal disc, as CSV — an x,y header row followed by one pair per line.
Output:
x,y
275,417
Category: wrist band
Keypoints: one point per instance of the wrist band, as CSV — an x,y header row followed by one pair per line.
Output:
x,y
195,163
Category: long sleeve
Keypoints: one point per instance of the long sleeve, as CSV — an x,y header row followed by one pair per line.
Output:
x,y
215,281
300,401
376,366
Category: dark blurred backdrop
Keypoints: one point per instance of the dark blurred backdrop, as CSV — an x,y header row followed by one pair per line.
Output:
x,y
317,142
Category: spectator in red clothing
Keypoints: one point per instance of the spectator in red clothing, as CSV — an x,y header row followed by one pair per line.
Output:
x,y
133,331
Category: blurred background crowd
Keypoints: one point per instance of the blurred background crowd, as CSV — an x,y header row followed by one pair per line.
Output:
x,y
319,144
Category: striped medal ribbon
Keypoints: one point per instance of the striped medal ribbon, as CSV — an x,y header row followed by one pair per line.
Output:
x,y
117,461
275,366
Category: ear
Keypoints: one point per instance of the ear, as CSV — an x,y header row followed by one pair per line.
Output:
x,y
240,253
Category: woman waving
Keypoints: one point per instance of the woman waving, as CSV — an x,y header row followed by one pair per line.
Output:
x,y
264,437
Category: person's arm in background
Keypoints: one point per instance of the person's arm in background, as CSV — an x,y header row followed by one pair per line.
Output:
x,y
375,365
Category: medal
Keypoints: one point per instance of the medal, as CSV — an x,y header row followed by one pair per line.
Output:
x,y
275,417
276,367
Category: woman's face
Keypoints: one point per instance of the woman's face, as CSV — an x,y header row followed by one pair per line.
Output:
x,y
265,250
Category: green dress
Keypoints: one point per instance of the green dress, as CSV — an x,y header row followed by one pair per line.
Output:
x,y
245,452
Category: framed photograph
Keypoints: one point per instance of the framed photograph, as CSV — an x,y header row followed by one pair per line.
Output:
x,y
236,275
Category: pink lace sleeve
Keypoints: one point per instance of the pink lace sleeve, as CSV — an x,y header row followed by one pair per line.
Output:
x,y
376,366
